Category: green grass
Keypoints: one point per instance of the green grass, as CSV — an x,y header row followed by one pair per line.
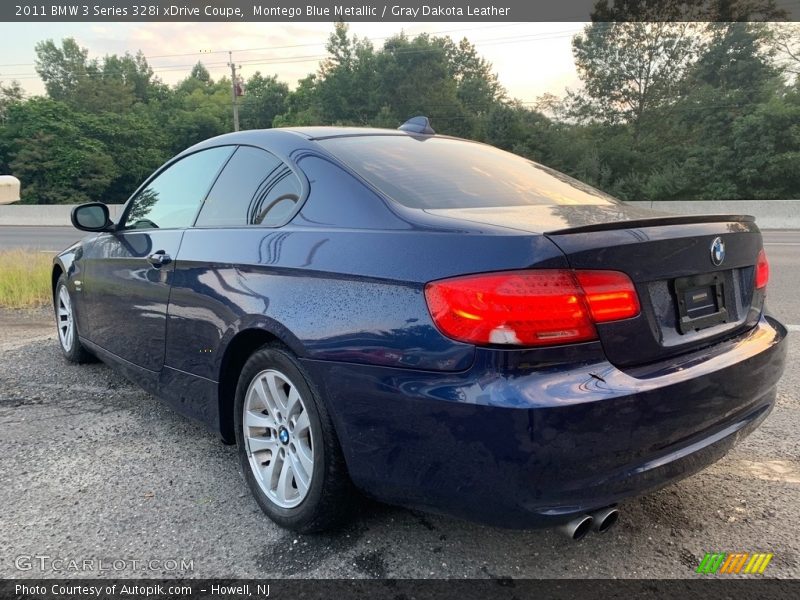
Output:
x,y
25,278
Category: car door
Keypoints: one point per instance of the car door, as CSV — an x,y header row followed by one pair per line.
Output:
x,y
238,225
129,271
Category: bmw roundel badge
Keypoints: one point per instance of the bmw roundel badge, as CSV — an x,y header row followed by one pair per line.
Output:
x,y
717,251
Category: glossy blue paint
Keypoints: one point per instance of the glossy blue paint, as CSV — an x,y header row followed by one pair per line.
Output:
x,y
516,437
131,324
518,442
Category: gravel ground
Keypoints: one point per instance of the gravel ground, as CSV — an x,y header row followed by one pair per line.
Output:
x,y
94,468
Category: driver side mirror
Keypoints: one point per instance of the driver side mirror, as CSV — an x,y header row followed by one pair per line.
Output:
x,y
91,217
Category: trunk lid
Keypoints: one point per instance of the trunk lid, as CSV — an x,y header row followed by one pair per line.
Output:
x,y
687,300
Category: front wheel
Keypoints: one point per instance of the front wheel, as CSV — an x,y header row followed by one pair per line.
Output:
x,y
288,449
67,327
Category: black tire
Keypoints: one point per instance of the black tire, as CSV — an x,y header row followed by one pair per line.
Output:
x,y
74,352
331,495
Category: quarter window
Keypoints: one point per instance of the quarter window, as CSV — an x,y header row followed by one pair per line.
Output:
x,y
171,200
255,188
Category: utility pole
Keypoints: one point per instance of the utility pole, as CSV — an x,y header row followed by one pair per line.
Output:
x,y
233,92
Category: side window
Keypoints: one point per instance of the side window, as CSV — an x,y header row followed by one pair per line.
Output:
x,y
255,188
172,199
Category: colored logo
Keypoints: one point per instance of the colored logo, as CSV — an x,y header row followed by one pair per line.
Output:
x,y
735,563
283,436
717,251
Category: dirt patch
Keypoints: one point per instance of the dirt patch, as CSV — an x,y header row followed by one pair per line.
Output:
x,y
20,327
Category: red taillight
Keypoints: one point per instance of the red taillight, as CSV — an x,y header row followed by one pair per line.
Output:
x,y
762,270
610,295
530,308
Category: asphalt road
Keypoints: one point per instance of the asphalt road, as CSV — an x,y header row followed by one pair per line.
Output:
x,y
38,238
94,468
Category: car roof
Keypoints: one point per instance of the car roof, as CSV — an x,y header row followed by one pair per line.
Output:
x,y
322,132
282,141
254,136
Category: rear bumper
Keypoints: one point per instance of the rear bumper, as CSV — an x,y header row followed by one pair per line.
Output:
x,y
527,448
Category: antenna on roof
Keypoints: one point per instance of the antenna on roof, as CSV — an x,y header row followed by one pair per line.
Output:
x,y
418,125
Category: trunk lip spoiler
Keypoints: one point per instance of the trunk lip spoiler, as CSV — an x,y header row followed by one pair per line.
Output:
x,y
654,222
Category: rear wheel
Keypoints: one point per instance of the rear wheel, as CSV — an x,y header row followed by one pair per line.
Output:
x,y
288,449
71,346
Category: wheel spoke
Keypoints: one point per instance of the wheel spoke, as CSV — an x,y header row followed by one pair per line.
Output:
x,y
259,393
305,456
293,404
284,490
260,443
302,470
266,398
259,420
267,472
302,424
276,389
63,295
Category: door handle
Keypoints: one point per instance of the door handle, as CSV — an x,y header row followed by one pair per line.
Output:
x,y
159,259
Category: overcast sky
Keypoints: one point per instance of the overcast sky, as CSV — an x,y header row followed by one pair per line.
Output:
x,y
529,58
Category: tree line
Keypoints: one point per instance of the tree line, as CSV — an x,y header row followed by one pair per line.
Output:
x,y
666,110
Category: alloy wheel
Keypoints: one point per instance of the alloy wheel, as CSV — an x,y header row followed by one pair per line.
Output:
x,y
278,438
64,316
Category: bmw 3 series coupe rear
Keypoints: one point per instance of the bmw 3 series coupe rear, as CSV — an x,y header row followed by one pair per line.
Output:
x,y
430,321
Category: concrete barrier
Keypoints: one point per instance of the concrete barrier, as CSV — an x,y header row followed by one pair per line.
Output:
x,y
45,214
770,214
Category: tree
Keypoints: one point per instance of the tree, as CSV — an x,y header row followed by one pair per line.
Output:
x,y
198,109
668,110
199,79
766,148
264,99
785,39
361,85
134,73
54,157
731,82
10,93
630,69
732,11
137,143
414,77
737,61
62,69
301,105
687,10
113,84
477,86
346,87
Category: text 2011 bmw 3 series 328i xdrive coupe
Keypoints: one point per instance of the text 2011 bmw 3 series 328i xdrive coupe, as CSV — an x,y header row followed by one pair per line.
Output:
x,y
434,322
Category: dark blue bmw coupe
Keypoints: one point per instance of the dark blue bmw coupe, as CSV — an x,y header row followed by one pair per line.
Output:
x,y
432,321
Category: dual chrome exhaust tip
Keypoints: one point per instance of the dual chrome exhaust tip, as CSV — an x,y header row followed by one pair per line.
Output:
x,y
600,521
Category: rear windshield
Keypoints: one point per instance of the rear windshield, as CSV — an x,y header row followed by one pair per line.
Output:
x,y
435,173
